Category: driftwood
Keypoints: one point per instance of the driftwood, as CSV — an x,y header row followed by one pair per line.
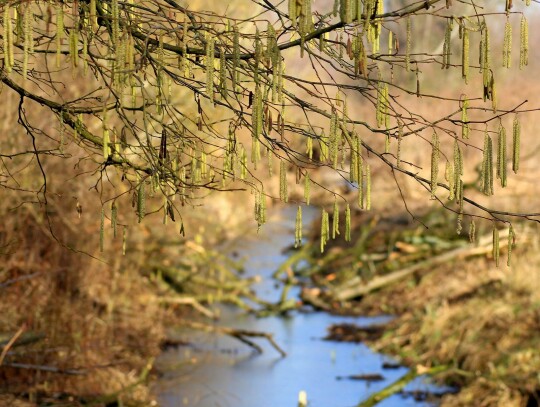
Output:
x,y
399,384
484,246
241,335
192,302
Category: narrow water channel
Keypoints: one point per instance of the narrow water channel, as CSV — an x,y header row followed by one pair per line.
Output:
x,y
216,370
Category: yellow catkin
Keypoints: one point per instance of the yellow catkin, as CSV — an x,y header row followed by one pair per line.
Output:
x,y
236,56
222,74
28,39
73,47
293,11
472,231
59,31
507,45
141,201
465,128
524,43
102,231
511,244
368,187
435,154
447,46
8,40
335,220
93,14
516,141
325,229
458,166
449,176
210,67
485,62
323,143
347,223
124,240
496,245
400,139
114,218
408,45
309,148
283,193
501,155
256,126
298,228
486,179
465,52
307,188
346,12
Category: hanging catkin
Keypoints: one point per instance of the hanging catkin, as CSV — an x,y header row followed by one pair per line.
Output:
x,y
283,194
472,231
449,177
485,62
8,40
141,201
28,40
511,243
486,178
435,154
345,11
400,138
335,220
102,230
210,67
458,166
298,228
496,245
507,44
293,12
307,188
114,217
368,187
524,43
236,56
465,128
347,223
222,74
447,47
124,240
59,31
408,45
465,61
309,148
501,155
325,229
516,136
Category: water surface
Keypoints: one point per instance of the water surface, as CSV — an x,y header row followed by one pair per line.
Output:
x,y
217,370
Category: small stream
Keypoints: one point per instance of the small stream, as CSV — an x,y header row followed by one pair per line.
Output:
x,y
217,370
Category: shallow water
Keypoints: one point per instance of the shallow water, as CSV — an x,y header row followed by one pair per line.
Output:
x,y
220,371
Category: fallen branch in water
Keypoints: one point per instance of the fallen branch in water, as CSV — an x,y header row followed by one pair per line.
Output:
x,y
484,246
239,334
189,301
399,384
